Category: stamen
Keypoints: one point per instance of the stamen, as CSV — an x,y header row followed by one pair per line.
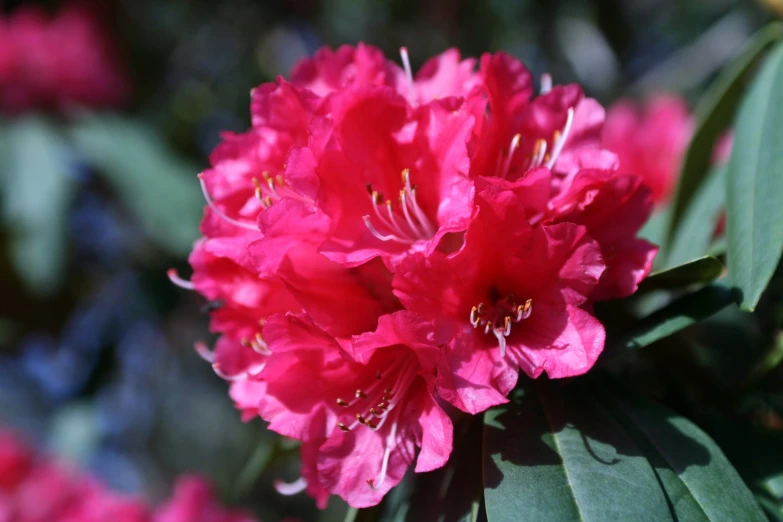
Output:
x,y
390,237
341,402
474,316
220,373
538,153
419,213
390,442
546,83
177,280
500,318
342,426
512,148
393,219
360,394
219,212
259,345
290,488
406,64
204,352
560,141
501,342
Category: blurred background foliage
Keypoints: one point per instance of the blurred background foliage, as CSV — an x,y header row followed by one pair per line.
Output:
x,y
96,360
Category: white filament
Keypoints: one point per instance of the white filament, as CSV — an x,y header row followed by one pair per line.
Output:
x,y
406,64
558,147
177,280
386,454
290,488
220,213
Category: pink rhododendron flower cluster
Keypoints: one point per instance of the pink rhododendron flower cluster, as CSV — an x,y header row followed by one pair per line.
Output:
x,y
381,247
34,488
52,63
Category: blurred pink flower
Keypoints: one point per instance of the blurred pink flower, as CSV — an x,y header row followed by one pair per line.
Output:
x,y
35,488
194,500
53,63
650,141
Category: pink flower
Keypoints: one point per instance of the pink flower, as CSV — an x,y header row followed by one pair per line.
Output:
x,y
93,503
519,131
34,488
361,408
612,208
650,142
514,293
16,459
194,500
401,239
378,178
52,64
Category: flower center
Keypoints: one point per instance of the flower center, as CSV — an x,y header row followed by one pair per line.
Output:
x,y
499,317
404,223
378,405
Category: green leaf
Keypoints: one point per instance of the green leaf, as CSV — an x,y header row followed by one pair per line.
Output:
x,y
702,270
554,455
694,235
254,467
37,191
578,452
713,115
160,188
755,184
672,318
654,230
682,313
699,481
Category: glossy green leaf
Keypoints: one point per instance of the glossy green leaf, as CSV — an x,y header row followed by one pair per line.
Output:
x,y
682,313
553,454
579,452
755,184
699,481
702,270
713,115
696,230
157,186
757,453
37,191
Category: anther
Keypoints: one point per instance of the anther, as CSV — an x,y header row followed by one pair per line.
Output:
x,y
342,426
341,402
360,394
474,316
360,418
